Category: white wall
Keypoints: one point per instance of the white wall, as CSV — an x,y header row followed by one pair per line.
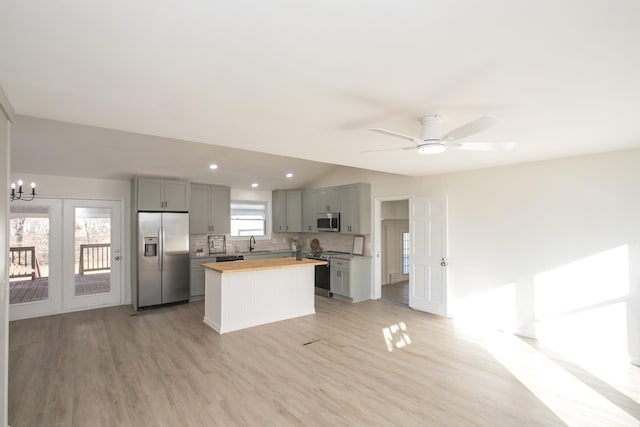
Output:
x,y
513,229
395,209
89,188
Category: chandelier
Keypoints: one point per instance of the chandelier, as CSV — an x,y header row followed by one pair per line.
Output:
x,y
17,193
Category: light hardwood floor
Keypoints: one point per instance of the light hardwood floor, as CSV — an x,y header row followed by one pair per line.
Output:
x,y
165,367
396,292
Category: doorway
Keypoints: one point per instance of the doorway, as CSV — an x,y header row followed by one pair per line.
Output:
x,y
427,259
395,251
64,256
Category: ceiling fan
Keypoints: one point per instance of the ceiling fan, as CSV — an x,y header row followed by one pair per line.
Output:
x,y
433,141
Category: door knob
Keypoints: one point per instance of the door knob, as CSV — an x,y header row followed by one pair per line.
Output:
x,y
444,262
117,258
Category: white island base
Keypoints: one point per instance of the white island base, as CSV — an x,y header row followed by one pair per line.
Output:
x,y
241,299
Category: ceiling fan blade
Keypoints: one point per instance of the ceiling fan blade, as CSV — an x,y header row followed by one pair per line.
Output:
x,y
392,133
389,149
482,146
473,127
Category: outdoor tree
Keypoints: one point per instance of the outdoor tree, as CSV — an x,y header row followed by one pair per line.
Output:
x,y
17,229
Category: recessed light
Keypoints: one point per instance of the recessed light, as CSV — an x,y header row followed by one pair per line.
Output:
x,y
289,175
213,166
254,185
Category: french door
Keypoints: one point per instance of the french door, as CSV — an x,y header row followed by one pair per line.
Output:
x,y
65,255
91,253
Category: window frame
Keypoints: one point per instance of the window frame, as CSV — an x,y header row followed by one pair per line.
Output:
x,y
267,207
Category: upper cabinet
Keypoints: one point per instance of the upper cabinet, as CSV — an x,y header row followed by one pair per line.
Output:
x,y
355,209
210,209
287,211
328,199
309,211
221,209
157,194
296,211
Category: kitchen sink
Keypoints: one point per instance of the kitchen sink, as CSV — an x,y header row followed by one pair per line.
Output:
x,y
258,252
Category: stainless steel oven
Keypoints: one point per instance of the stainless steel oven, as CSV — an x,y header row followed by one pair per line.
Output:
x,y
323,272
323,285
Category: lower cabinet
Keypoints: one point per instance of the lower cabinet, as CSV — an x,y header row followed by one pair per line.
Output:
x,y
351,278
196,280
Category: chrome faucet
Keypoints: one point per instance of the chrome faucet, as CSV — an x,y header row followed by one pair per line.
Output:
x,y
252,243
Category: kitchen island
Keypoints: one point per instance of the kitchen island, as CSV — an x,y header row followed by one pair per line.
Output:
x,y
242,294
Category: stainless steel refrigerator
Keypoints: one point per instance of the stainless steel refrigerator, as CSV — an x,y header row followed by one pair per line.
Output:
x,y
163,258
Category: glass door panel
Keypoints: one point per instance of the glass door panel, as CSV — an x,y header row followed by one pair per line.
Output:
x,y
34,258
92,258
92,250
28,254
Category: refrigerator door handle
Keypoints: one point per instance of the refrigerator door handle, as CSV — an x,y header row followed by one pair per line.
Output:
x,y
160,248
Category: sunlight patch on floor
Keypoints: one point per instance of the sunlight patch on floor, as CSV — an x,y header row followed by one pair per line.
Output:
x,y
396,336
570,399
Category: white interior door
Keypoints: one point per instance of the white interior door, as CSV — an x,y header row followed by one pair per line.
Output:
x,y
92,254
428,276
35,258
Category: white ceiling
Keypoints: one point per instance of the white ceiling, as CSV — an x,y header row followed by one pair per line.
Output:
x,y
306,79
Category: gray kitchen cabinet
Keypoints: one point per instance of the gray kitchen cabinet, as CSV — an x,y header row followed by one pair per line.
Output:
x,y
339,280
199,213
279,211
309,210
328,199
157,194
221,209
210,209
294,211
196,279
355,209
287,211
351,278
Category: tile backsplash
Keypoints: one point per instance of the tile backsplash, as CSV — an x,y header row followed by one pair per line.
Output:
x,y
199,245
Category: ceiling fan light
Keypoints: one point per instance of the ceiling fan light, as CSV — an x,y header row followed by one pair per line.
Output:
x,y
431,148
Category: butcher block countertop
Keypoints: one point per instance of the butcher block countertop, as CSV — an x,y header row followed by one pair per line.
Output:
x,y
260,264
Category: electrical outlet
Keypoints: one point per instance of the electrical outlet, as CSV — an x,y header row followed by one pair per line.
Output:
x,y
284,240
274,241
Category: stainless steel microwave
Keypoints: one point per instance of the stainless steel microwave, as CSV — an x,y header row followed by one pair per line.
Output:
x,y
329,221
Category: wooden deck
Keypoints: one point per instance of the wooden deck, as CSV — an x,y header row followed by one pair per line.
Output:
x,y
38,290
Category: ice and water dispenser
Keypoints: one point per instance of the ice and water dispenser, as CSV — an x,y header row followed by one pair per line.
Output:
x,y
151,246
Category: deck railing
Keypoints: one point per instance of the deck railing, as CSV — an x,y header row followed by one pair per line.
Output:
x,y
95,257
23,262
